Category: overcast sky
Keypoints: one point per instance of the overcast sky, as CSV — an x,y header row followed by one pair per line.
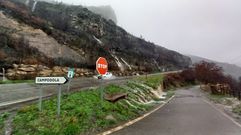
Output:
x,y
207,28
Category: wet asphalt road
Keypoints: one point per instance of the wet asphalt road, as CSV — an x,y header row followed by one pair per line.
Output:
x,y
186,114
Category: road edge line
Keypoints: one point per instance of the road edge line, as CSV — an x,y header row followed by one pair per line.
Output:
x,y
6,105
223,113
135,120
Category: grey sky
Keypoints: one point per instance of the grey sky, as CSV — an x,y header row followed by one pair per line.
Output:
x,y
207,28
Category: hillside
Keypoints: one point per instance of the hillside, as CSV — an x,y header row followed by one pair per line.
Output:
x,y
230,69
106,11
57,34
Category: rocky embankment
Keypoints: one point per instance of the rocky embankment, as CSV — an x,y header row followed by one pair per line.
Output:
x,y
31,71
22,71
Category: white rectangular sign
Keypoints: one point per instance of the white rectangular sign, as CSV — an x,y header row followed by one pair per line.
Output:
x,y
51,80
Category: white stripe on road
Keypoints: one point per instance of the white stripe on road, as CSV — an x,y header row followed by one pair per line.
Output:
x,y
224,114
135,120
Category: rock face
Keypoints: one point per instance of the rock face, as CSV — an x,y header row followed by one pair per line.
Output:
x,y
72,36
37,40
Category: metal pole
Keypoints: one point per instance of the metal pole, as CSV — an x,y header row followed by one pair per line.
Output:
x,y
3,74
59,99
101,89
40,98
69,85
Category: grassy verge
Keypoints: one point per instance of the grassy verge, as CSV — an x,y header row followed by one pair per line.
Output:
x,y
16,81
3,117
85,113
228,101
237,109
220,99
153,81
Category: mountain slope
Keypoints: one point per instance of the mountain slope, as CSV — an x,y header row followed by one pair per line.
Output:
x,y
106,11
65,35
230,69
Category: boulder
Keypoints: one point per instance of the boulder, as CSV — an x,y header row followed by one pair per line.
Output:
x,y
21,73
41,67
110,117
76,75
81,70
27,69
33,66
78,70
23,66
15,66
10,75
58,74
57,69
10,71
87,74
65,69
45,73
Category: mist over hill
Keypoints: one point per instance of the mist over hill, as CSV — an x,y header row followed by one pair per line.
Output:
x,y
106,11
230,69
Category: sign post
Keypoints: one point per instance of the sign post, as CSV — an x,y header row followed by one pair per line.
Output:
x,y
50,81
40,98
70,76
3,74
59,100
102,68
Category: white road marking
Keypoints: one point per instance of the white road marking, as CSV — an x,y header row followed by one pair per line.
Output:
x,y
135,120
224,114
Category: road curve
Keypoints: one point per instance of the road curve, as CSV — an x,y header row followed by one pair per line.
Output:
x,y
186,114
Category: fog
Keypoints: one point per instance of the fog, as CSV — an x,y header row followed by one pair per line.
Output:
x,y
206,28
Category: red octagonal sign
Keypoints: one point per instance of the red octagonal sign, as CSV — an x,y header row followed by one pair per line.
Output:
x,y
101,66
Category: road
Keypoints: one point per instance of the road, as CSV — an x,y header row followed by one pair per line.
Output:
x,y
186,114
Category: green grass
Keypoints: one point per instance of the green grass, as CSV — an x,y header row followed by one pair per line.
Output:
x,y
82,112
16,81
217,98
237,109
170,94
225,100
151,80
3,117
221,99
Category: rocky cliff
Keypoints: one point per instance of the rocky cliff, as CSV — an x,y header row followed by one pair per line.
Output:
x,y
55,34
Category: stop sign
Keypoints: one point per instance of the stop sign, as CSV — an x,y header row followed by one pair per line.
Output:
x,y
101,66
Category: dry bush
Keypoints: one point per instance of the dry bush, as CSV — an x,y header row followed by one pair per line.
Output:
x,y
188,75
209,73
173,80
